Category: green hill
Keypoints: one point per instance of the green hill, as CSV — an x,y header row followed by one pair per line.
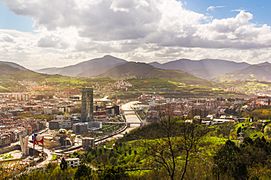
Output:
x,y
135,70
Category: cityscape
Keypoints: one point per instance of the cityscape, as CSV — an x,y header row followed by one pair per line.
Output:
x,y
138,89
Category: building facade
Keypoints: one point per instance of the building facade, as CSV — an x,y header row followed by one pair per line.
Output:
x,y
87,105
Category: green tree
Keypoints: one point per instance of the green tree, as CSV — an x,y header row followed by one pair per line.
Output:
x,y
113,173
83,172
227,161
63,164
239,130
255,152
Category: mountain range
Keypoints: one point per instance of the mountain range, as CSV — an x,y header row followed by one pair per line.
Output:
x,y
109,66
209,69
14,76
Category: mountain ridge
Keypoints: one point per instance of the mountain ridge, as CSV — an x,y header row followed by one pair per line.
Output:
x,y
90,68
209,69
146,71
205,68
10,67
255,72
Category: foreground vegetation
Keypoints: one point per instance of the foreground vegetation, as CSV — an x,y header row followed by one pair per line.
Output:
x,y
172,149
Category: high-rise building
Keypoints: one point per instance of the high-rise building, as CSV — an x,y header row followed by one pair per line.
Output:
x,y
87,105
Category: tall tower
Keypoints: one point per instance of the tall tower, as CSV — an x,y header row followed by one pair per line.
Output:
x,y
87,105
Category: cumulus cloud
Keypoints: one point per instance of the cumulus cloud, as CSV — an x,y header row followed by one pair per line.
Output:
x,y
108,20
237,32
133,29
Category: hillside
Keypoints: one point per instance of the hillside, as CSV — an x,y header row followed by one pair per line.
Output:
x,y
16,78
89,68
14,71
207,68
12,74
10,68
146,71
144,78
257,72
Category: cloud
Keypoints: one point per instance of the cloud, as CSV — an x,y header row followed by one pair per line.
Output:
x,y
107,19
134,29
213,8
237,32
166,23
52,42
238,10
6,38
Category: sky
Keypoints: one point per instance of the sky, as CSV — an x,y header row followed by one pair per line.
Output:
x,y
44,33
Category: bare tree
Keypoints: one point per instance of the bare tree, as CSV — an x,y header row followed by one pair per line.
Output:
x,y
163,150
190,136
175,144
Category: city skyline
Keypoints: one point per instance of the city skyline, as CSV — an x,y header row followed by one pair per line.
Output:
x,y
71,31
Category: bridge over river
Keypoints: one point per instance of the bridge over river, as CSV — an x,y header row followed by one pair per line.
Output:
x,y
130,115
